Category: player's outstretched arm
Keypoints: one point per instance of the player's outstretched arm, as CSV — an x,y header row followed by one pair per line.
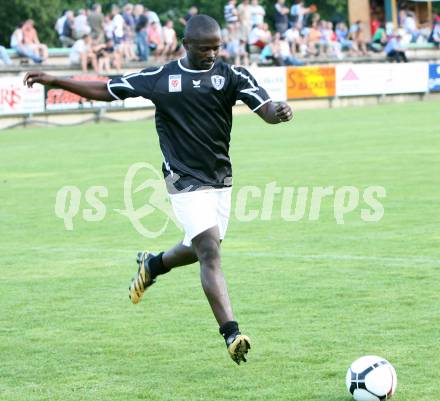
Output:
x,y
95,90
274,113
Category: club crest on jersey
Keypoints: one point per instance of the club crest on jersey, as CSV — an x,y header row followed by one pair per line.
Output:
x,y
175,83
218,81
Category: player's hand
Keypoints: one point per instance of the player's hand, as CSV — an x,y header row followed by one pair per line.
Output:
x,y
283,112
37,77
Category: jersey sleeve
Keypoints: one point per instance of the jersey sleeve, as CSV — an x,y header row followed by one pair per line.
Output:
x,y
247,89
135,85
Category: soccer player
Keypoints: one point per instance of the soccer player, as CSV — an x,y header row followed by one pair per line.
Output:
x,y
193,98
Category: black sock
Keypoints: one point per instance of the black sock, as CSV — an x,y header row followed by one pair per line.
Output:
x,y
228,329
156,266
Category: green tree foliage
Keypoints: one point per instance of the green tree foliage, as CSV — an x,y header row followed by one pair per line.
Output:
x,y
46,12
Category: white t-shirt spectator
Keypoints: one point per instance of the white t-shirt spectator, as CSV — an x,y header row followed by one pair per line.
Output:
x,y
77,49
59,25
257,14
118,26
255,35
168,35
81,25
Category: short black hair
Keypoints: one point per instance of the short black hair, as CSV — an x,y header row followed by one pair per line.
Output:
x,y
201,25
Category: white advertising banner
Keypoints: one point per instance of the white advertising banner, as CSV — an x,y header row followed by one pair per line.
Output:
x,y
15,98
383,78
273,79
138,102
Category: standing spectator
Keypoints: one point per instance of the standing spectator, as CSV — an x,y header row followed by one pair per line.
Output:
x,y
434,37
108,27
143,50
394,49
82,54
117,25
4,57
66,38
80,25
230,12
410,26
235,47
153,17
298,12
129,34
30,40
59,24
193,10
257,13
374,25
96,23
244,11
281,16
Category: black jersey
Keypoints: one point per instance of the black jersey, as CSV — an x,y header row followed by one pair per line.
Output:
x,y
193,117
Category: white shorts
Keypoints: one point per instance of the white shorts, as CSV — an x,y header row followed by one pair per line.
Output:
x,y
199,210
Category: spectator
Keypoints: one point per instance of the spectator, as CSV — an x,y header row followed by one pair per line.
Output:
x,y
31,41
375,24
138,11
434,37
281,16
108,55
358,36
298,12
118,25
171,47
4,57
155,41
342,34
230,12
379,39
259,37
142,47
191,12
80,24
153,17
82,54
95,20
257,13
394,49
59,24
295,40
129,32
285,52
108,27
235,46
410,26
66,38
244,11
314,40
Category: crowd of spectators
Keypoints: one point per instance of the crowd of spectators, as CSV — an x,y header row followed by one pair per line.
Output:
x,y
104,41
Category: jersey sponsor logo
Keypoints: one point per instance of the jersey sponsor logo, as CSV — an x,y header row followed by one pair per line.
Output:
x,y
218,81
196,84
175,83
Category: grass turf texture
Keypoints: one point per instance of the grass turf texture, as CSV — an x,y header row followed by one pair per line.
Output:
x,y
313,295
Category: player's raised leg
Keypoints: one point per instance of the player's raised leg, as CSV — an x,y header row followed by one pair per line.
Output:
x,y
207,248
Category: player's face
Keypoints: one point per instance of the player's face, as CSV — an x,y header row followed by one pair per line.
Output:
x,y
202,53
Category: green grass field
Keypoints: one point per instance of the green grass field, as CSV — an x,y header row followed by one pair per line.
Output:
x,y
313,295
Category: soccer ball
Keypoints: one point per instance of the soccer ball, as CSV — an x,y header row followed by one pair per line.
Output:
x,y
371,378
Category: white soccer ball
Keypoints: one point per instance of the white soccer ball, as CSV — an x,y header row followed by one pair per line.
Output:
x,y
371,378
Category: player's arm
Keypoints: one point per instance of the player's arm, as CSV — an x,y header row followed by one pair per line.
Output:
x,y
274,113
95,90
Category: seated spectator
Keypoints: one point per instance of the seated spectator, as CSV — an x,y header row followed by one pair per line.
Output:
x,y
259,37
107,55
379,39
95,19
313,40
434,37
155,41
342,36
257,13
17,43
171,48
66,37
394,49
82,54
81,25
281,16
30,39
4,57
191,12
357,33
295,40
285,52
235,46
